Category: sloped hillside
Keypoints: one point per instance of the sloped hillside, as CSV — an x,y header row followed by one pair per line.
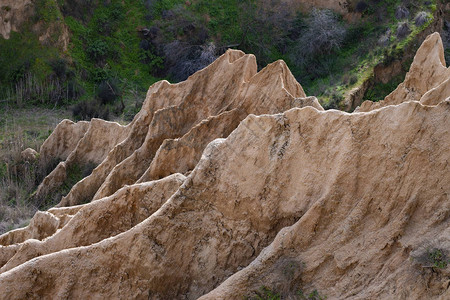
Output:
x,y
70,52
234,184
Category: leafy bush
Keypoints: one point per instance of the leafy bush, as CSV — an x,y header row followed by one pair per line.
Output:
x,y
335,98
74,90
59,67
264,293
79,9
97,50
86,110
266,29
431,257
47,10
380,90
438,258
109,91
348,79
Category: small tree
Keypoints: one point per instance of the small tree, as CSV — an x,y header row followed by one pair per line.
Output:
x,y
323,35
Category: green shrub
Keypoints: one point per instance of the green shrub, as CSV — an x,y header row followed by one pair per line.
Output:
x,y
314,295
361,6
437,258
109,91
431,257
97,50
380,90
86,110
264,293
59,67
47,10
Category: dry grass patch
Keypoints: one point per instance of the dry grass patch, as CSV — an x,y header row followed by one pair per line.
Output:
x,y
21,129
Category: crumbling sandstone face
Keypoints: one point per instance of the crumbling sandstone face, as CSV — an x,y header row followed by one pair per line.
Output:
x,y
276,193
91,222
91,143
12,14
175,124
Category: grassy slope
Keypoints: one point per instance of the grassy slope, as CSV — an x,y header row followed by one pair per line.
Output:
x,y
111,36
106,45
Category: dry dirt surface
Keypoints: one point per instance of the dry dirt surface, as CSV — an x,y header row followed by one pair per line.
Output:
x,y
234,184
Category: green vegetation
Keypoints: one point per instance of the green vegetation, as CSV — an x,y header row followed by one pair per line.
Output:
x,y
264,293
136,43
107,46
380,90
47,10
438,258
21,54
433,257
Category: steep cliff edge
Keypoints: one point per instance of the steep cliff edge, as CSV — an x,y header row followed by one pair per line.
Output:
x,y
276,193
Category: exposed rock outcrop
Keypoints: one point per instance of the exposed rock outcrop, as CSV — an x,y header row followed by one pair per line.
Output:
x,y
12,14
207,106
92,141
93,222
277,193
428,72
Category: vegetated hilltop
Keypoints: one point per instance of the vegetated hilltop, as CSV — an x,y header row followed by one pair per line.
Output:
x,y
103,55
234,184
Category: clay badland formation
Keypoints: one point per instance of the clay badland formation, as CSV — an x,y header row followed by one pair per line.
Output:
x,y
235,180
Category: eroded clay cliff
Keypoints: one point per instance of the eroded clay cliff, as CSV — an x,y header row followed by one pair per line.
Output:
x,y
20,15
235,180
13,13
